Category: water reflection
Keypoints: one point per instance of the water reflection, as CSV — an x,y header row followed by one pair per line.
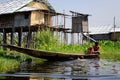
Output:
x,y
26,65
74,67
38,79
80,69
94,66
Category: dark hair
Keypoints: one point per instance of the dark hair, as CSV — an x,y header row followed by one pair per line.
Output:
x,y
96,43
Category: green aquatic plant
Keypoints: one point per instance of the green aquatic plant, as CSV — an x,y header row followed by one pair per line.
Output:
x,y
110,50
45,40
7,64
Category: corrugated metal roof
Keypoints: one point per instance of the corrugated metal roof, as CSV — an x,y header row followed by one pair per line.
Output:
x,y
25,9
117,29
100,29
10,6
103,29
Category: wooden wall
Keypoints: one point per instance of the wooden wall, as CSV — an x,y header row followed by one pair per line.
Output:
x,y
110,36
25,19
22,19
79,24
115,36
6,20
76,24
37,17
40,17
48,19
100,36
85,23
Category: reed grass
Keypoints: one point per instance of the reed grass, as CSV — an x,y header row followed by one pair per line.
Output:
x,y
46,41
110,50
7,65
10,61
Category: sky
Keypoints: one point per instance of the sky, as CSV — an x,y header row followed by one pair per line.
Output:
x,y
102,11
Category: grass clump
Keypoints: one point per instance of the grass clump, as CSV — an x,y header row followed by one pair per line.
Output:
x,y
47,41
11,61
110,50
7,64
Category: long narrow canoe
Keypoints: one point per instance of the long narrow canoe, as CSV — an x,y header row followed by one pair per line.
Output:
x,y
52,56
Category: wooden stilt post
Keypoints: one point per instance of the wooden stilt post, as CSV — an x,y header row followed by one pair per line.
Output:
x,y
20,37
72,38
82,38
29,38
56,23
4,37
61,37
64,28
78,38
12,35
66,38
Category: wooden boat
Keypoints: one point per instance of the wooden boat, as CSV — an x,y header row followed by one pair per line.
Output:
x,y
51,56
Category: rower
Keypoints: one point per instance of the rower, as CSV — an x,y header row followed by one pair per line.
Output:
x,y
94,49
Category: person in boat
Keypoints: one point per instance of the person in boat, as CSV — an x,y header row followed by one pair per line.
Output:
x,y
94,49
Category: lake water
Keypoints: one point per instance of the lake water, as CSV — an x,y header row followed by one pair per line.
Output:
x,y
79,69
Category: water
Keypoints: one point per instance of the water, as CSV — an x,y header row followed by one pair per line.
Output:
x,y
79,69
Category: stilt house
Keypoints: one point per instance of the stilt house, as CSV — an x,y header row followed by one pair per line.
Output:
x,y
25,13
23,16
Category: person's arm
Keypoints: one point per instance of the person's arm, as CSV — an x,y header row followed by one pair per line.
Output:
x,y
97,51
90,50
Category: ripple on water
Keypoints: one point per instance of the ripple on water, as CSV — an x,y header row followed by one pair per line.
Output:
x,y
92,69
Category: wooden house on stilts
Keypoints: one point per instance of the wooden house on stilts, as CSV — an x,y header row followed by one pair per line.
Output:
x,y
18,16
28,16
